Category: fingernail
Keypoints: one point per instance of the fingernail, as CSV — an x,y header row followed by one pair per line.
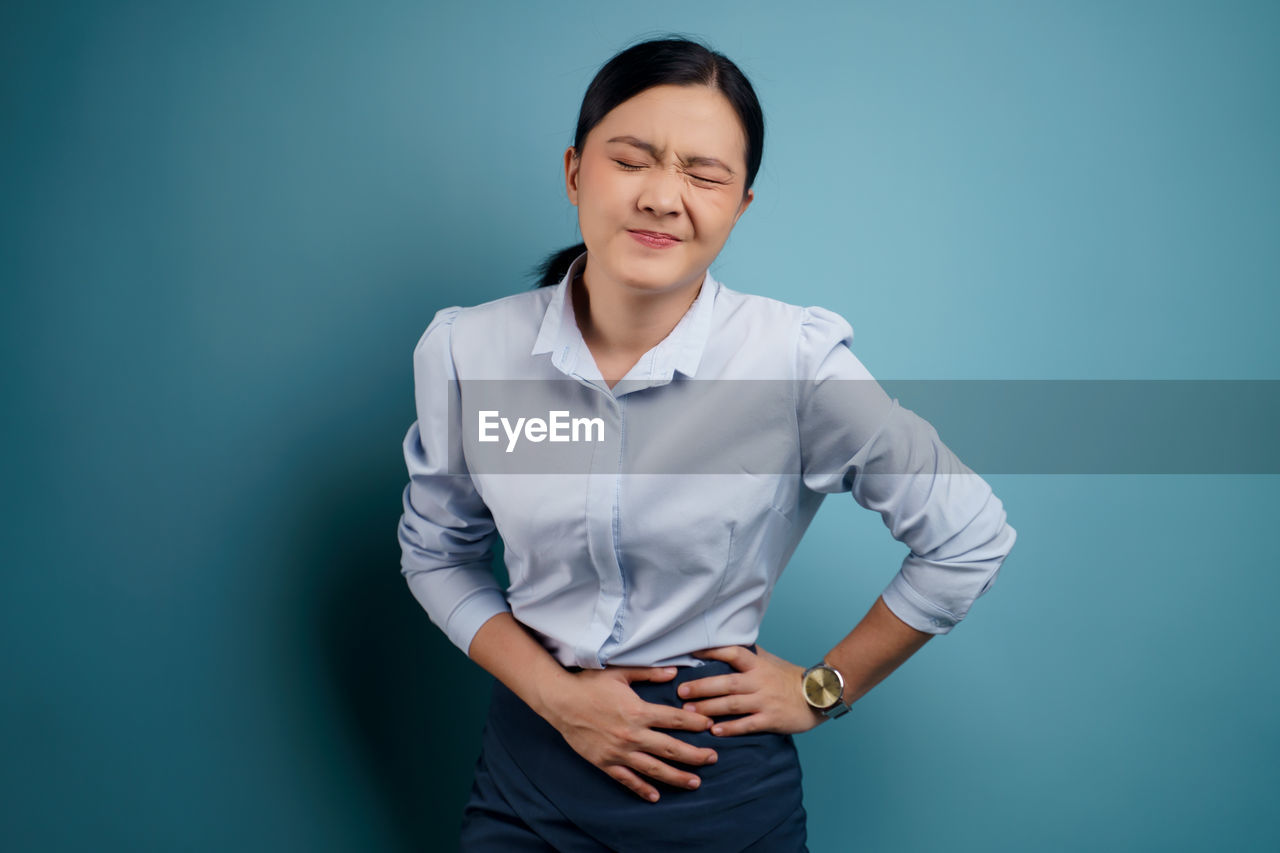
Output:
x,y
653,797
712,759
671,670
715,730
683,690
693,783
688,706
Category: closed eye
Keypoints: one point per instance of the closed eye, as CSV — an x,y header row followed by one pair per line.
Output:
x,y
631,167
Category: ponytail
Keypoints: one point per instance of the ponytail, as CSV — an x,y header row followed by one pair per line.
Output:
x,y
553,268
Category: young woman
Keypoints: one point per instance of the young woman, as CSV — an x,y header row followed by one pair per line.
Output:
x,y
631,706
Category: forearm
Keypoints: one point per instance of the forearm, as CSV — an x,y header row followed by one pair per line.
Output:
x,y
877,645
507,650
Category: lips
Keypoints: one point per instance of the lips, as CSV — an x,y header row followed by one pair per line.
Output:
x,y
654,239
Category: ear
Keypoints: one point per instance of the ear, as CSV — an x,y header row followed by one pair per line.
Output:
x,y
571,165
746,202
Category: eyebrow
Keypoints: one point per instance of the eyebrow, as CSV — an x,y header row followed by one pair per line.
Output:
x,y
657,155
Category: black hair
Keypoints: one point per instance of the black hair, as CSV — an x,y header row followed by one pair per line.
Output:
x,y
676,61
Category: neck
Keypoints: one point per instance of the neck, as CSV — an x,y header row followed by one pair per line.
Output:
x,y
621,320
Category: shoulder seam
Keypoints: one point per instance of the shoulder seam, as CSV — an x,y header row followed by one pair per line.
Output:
x,y
524,294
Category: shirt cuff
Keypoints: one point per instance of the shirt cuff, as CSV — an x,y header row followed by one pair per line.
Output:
x,y
472,613
916,610
469,614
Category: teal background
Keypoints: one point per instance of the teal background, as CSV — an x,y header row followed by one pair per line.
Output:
x,y
225,226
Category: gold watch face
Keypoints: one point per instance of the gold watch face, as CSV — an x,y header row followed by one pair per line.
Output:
x,y
822,688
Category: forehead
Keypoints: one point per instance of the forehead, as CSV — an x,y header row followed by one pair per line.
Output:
x,y
691,120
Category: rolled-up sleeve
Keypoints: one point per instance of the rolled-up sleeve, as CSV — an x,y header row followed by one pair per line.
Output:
x,y
855,438
446,532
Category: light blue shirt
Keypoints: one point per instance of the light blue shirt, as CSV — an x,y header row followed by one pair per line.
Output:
x,y
613,562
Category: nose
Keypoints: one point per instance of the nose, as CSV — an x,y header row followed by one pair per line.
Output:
x,y
660,194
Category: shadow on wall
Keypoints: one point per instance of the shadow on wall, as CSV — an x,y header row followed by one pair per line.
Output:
x,y
405,698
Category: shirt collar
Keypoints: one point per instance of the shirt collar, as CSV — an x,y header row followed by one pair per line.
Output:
x,y
680,350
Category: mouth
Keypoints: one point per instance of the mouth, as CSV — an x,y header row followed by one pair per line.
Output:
x,y
654,239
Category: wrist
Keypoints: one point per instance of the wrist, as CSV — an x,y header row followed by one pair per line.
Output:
x,y
843,662
824,689
548,689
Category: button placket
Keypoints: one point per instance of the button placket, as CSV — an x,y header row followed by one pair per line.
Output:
x,y
615,632
601,501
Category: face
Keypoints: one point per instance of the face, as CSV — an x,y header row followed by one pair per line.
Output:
x,y
670,160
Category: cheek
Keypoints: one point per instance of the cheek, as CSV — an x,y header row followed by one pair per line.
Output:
x,y
711,215
603,195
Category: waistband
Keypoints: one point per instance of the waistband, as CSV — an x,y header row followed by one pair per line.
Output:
x,y
755,784
682,670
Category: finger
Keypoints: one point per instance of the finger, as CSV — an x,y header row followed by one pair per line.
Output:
x,y
739,703
643,762
740,657
670,748
712,685
645,673
630,780
744,726
667,717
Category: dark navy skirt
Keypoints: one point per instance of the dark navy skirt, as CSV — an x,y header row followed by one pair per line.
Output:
x,y
532,792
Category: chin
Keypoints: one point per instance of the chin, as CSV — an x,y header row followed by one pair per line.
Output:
x,y
640,281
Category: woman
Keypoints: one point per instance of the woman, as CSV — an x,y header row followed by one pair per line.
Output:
x,y
624,647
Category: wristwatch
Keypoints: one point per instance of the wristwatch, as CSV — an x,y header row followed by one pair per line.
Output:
x,y
824,690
